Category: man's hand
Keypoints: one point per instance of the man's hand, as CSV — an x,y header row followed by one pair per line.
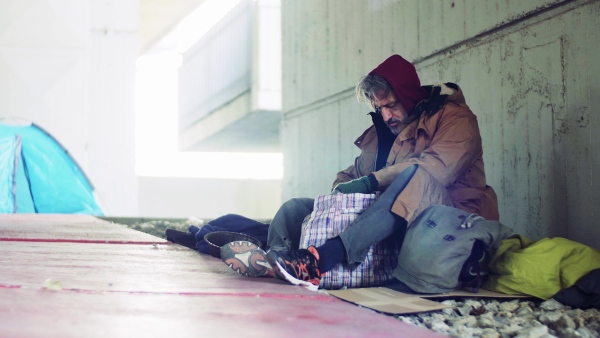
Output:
x,y
363,185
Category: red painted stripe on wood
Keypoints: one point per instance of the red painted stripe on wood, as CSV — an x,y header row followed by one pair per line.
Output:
x,y
88,241
4,286
320,297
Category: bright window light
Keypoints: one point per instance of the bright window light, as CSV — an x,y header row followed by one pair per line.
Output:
x,y
201,20
156,130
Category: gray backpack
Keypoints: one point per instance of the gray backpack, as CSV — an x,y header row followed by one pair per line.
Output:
x,y
443,242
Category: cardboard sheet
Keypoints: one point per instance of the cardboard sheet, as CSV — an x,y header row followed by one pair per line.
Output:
x,y
390,301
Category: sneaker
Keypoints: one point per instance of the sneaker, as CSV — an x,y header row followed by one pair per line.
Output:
x,y
298,267
246,258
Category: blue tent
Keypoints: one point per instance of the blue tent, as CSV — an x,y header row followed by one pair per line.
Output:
x,y
37,175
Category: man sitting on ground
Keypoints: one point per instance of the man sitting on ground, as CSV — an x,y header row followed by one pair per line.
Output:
x,y
424,148
427,138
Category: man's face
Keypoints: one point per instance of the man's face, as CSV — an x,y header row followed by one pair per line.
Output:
x,y
391,110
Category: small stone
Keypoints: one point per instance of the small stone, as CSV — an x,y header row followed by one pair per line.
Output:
x,y
586,333
405,319
428,322
509,306
525,322
464,331
575,313
438,317
449,302
449,312
551,305
503,320
506,314
486,320
473,303
489,333
594,326
533,332
491,307
591,313
526,312
550,318
567,333
510,330
423,315
440,326
579,322
565,322
468,321
464,310
524,306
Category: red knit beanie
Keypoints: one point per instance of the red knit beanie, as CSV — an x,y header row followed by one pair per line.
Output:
x,y
403,78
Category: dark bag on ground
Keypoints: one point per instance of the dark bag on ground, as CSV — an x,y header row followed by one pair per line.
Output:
x,y
444,250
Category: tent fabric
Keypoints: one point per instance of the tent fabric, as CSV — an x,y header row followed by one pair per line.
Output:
x,y
37,175
8,145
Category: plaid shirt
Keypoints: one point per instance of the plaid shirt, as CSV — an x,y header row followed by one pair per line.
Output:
x,y
332,214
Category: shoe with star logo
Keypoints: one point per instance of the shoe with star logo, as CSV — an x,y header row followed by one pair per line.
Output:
x,y
297,267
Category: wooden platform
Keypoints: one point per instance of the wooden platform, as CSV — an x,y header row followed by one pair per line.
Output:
x,y
112,281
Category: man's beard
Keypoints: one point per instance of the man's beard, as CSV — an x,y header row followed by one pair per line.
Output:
x,y
394,129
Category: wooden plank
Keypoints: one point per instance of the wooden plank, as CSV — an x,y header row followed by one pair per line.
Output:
x,y
130,268
42,313
159,290
68,228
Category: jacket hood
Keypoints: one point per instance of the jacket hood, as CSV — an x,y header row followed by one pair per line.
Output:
x,y
403,78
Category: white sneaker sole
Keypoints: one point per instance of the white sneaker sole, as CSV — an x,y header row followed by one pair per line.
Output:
x,y
295,281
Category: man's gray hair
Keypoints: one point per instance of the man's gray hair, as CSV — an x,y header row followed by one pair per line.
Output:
x,y
370,87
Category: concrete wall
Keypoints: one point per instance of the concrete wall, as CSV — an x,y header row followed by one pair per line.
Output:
x,y
529,69
69,67
208,198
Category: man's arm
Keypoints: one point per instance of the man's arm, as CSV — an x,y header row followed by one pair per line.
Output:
x,y
346,175
364,163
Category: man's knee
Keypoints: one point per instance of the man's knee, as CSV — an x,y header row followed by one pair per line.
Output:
x,y
422,191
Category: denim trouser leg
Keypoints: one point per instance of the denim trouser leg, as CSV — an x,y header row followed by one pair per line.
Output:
x,y
377,222
286,227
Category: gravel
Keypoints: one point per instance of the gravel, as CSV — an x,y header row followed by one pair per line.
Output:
x,y
519,318
157,227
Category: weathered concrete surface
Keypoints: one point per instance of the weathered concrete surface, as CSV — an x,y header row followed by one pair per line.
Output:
x,y
529,69
149,289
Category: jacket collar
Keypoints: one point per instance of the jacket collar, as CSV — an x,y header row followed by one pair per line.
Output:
x,y
410,131
438,96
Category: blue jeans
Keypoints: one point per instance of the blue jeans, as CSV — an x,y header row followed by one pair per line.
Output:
x,y
370,227
286,227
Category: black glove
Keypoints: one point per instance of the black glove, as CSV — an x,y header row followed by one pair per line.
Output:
x,y
363,185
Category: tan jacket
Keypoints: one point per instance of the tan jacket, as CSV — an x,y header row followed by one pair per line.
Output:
x,y
447,148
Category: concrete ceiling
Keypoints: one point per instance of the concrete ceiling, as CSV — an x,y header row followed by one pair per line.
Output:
x,y
159,17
